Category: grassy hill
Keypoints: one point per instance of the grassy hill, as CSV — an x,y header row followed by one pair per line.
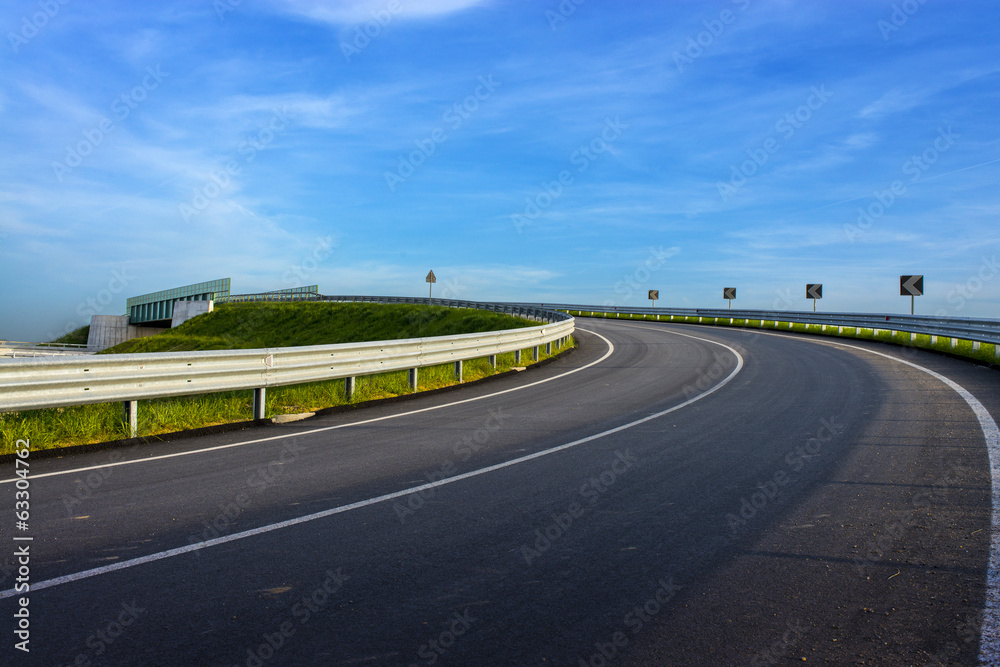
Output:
x,y
76,337
256,325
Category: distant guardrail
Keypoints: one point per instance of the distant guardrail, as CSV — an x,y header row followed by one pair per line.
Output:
x,y
966,328
56,382
21,349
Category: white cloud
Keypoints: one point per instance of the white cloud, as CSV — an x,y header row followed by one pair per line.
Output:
x,y
349,12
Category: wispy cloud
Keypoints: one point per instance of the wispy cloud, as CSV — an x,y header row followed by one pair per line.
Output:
x,y
349,12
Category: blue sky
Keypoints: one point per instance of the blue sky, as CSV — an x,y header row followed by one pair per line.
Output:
x,y
539,151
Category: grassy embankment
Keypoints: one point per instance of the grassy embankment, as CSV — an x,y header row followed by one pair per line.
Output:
x,y
75,337
986,352
256,325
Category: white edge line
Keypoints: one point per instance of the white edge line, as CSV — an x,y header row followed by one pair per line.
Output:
x,y
989,642
324,428
48,583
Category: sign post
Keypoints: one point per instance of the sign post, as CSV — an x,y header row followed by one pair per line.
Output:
x,y
654,294
431,279
814,291
911,286
729,293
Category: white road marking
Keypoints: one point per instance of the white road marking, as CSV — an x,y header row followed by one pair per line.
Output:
x,y
989,643
48,583
325,428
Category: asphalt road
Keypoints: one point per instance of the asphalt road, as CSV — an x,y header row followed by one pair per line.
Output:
x,y
715,497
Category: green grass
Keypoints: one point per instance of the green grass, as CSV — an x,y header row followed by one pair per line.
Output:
x,y
75,337
60,427
963,348
256,325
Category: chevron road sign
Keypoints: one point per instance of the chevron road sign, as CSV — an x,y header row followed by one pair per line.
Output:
x,y
814,291
654,294
911,286
729,293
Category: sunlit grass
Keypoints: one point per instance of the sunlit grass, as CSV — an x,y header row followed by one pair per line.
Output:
x,y
61,427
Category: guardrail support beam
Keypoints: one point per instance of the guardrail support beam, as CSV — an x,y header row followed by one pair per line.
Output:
x,y
493,360
130,418
517,357
413,379
458,371
258,403
534,353
348,388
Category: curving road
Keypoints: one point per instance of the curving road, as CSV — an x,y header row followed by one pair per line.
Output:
x,y
665,495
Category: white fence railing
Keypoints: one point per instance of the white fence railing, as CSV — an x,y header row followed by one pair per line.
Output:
x,y
27,384
965,328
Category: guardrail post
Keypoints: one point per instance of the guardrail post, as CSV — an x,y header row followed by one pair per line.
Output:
x,y
348,388
493,361
130,418
954,343
548,348
413,379
458,371
534,353
975,346
258,403
517,357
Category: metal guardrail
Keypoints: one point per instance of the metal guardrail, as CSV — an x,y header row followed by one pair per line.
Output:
x,y
537,312
47,383
268,296
965,328
43,346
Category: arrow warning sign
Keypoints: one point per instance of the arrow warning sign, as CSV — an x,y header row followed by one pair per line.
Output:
x,y
911,286
654,294
729,293
814,291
